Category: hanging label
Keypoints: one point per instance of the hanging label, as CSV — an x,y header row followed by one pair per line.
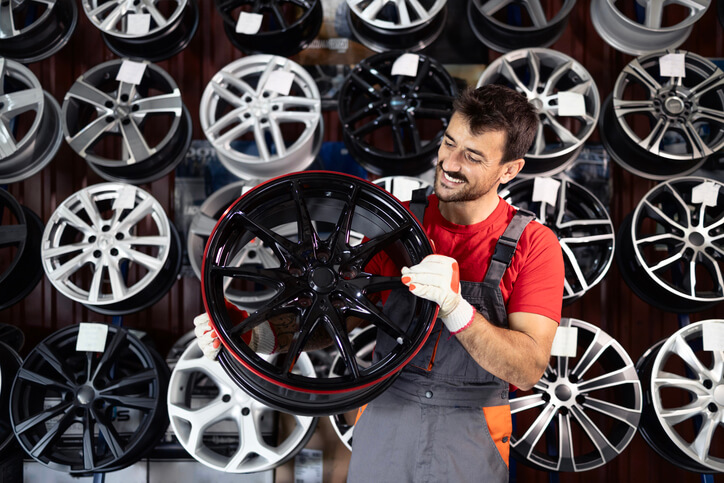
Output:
x,y
707,193
672,65
546,190
565,342
246,189
131,72
712,334
280,81
91,337
126,198
249,23
406,64
402,188
138,23
308,466
571,104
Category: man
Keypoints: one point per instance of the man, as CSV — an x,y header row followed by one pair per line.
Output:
x,y
446,417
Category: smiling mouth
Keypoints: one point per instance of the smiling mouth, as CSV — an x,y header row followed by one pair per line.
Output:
x,y
451,179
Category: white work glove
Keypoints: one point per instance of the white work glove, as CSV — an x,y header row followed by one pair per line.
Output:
x,y
261,339
206,337
437,278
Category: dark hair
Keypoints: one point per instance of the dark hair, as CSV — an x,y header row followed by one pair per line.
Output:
x,y
499,108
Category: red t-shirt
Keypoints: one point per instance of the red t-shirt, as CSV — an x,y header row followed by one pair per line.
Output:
x,y
533,282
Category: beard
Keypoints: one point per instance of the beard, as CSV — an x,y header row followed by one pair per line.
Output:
x,y
464,193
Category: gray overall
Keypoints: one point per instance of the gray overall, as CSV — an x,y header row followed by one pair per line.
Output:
x,y
429,426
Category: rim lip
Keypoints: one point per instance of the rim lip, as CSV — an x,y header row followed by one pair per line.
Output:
x,y
172,20
639,257
231,5
507,193
46,16
178,378
592,95
667,348
635,26
56,226
433,12
605,340
305,147
560,16
621,84
255,371
72,103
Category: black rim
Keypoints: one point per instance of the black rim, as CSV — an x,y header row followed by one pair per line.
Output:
x,y
320,281
58,386
12,336
287,28
412,111
9,364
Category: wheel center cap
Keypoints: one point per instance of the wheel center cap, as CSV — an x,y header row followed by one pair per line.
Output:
x,y
104,242
719,394
563,393
85,395
398,103
122,111
322,279
674,105
696,239
537,103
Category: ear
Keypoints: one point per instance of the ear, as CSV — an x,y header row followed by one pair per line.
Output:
x,y
511,170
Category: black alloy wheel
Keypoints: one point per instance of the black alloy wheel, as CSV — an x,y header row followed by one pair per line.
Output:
x,y
393,124
9,364
320,281
12,336
89,412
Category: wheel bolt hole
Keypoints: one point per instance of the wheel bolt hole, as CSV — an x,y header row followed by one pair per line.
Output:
x,y
247,115
247,99
97,253
106,228
92,239
338,303
114,252
712,407
546,397
296,271
126,122
708,384
252,254
275,108
573,379
266,94
119,236
135,107
226,398
124,97
245,412
563,411
349,273
109,119
109,104
305,302
580,399
323,256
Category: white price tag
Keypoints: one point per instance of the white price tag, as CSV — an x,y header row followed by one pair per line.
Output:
x,y
138,23
308,466
91,337
571,104
546,190
565,342
707,193
249,23
672,65
713,335
406,64
246,189
280,81
126,198
402,188
131,72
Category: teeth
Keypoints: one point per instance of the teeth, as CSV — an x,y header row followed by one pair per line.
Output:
x,y
452,180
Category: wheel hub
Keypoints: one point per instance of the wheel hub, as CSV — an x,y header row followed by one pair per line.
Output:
x,y
719,394
696,239
563,393
85,395
105,242
537,103
674,105
322,279
398,103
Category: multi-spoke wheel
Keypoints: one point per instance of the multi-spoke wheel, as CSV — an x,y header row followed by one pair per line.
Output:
x,y
412,113
9,364
543,75
30,133
319,282
396,24
660,127
665,24
20,267
33,30
257,131
684,384
583,227
671,248
585,409
85,412
287,26
501,29
152,30
222,426
126,132
111,247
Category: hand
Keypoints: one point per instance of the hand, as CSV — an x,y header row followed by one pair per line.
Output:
x,y
206,336
437,278
262,339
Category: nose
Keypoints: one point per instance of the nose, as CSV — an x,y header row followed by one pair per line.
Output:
x,y
453,161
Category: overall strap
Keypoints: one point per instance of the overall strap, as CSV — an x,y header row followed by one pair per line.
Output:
x,y
419,203
506,246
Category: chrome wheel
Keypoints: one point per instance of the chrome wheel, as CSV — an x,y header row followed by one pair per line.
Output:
x,y
542,75
106,231
661,127
30,132
672,247
257,132
489,20
124,133
620,27
583,227
592,400
223,427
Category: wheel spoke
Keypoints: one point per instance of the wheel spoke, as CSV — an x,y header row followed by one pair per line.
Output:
x,y
133,402
363,253
654,14
165,103
49,356
674,416
626,415
42,417
110,354
610,379
89,135
623,107
283,248
682,349
85,92
53,433
662,217
138,149
88,455
524,403
109,433
305,229
11,235
136,215
491,7
527,442
41,380
145,377
339,239
702,443
635,69
594,433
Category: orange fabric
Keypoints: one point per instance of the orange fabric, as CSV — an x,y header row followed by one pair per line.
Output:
x,y
500,425
359,413
237,315
455,281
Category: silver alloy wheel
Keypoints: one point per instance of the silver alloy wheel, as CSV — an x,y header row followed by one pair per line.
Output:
x,y
123,133
99,232
582,225
239,105
622,30
204,405
681,369
592,400
26,145
112,17
541,75
683,118
401,187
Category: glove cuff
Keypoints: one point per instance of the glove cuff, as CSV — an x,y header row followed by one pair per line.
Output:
x,y
263,339
460,318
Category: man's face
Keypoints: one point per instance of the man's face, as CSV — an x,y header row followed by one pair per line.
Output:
x,y
468,165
